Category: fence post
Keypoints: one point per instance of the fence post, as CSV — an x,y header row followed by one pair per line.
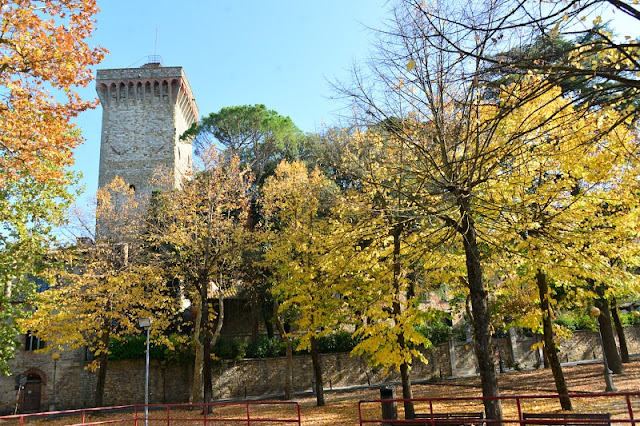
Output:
x,y
633,423
205,408
389,408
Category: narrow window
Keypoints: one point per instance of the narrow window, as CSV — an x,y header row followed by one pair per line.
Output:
x,y
32,342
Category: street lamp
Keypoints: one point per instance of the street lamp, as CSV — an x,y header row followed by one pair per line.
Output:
x,y
55,357
146,324
608,378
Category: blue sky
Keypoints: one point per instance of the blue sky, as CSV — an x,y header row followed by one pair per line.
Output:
x,y
280,53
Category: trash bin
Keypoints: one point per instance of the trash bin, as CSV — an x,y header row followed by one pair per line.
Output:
x,y
389,408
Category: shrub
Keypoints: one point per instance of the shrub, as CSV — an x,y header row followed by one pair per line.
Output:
x,y
130,347
133,347
460,332
629,319
230,348
341,341
265,347
437,332
576,321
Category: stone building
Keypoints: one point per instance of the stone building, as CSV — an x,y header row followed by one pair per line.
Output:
x,y
144,112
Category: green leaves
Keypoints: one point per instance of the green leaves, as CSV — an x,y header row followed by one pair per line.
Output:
x,y
29,210
259,137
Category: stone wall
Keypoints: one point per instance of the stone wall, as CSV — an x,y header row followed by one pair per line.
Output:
x,y
252,377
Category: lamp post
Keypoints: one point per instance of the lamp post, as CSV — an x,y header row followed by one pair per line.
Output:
x,y
55,357
146,324
608,378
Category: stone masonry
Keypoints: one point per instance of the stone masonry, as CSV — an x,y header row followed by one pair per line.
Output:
x,y
252,377
144,112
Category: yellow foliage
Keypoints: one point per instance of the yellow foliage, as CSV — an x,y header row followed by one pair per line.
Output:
x,y
102,289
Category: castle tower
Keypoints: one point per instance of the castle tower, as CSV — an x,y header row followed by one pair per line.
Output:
x,y
144,112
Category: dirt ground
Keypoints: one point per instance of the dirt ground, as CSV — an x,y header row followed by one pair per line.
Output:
x,y
342,407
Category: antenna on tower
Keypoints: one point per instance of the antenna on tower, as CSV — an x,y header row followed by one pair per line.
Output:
x,y
154,61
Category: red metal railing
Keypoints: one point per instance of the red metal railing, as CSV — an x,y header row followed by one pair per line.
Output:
x,y
458,403
241,413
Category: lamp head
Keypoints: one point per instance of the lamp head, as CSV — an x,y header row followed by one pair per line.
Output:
x,y
594,312
144,322
55,356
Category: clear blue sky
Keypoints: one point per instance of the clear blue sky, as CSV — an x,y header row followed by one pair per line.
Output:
x,y
280,53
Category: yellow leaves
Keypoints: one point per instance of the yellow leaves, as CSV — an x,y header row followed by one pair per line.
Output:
x,y
105,285
411,65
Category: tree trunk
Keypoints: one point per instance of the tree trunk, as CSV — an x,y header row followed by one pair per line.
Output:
x,y
102,364
288,380
197,369
624,350
481,314
409,411
317,372
549,340
608,336
407,393
545,357
206,343
220,321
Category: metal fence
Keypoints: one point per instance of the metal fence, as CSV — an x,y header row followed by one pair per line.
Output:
x,y
249,413
517,409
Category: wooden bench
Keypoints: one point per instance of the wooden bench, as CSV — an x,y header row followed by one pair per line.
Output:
x,y
447,419
567,419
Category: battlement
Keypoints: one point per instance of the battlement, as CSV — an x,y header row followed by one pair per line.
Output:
x,y
140,73
133,86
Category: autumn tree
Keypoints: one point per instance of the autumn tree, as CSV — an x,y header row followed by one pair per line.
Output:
x,y
296,203
44,56
463,138
102,289
198,233
260,138
565,44
44,47
377,244
445,120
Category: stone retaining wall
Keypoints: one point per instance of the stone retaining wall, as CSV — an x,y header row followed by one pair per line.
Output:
x,y
251,377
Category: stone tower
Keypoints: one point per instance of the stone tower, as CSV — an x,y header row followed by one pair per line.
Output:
x,y
144,112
